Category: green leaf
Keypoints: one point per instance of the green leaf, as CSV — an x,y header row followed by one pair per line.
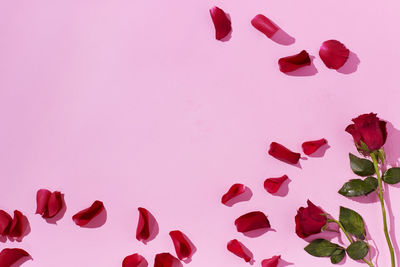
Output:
x,y
321,248
338,255
361,167
358,187
392,176
357,250
352,222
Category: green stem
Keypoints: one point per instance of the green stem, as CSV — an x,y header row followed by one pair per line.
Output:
x,y
380,195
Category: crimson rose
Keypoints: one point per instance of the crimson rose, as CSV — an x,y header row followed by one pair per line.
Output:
x,y
309,220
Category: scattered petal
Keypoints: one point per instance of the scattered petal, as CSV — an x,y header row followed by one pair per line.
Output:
x,y
17,226
234,191
166,260
143,230
280,152
272,185
334,54
134,260
182,245
85,216
42,198
272,262
252,221
5,222
292,63
312,146
9,256
264,25
221,22
237,248
55,204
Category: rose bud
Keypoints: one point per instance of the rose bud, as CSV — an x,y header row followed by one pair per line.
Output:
x,y
309,220
280,152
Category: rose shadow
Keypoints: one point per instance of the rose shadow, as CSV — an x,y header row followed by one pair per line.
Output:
x,y
229,36
283,38
370,198
97,221
154,228
193,249
320,152
284,189
351,64
245,196
21,261
258,232
391,146
392,221
310,70
60,214
283,263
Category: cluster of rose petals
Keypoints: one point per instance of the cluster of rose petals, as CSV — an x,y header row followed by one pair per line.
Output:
x,y
9,256
309,220
48,203
271,262
240,250
12,227
272,185
310,147
134,260
221,22
85,216
252,221
292,63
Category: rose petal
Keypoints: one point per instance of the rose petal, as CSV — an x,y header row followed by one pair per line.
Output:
x,y
85,216
272,262
17,226
42,198
252,221
234,191
54,204
5,222
144,227
272,185
309,220
182,245
9,256
166,260
134,260
334,54
264,25
292,63
312,146
280,152
221,22
239,250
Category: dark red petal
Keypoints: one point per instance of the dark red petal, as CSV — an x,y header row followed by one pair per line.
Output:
x,y
252,221
234,191
271,262
85,216
239,250
334,54
292,63
356,135
9,256
182,245
309,220
166,260
134,260
312,146
54,204
221,22
382,125
280,152
5,222
17,226
42,198
272,185
143,230
264,25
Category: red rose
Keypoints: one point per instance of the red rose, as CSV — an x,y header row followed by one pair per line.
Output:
x,y
309,220
369,129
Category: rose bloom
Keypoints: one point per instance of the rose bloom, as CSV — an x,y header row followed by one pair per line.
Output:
x,y
309,220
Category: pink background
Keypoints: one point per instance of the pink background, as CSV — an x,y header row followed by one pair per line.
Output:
x,y
136,104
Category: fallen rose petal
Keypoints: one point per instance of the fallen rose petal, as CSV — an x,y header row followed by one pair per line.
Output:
x,y
272,262
292,63
5,222
42,198
237,248
54,204
134,260
234,191
280,152
17,226
264,25
182,245
9,256
144,227
221,22
166,260
312,146
334,54
272,185
85,216
252,221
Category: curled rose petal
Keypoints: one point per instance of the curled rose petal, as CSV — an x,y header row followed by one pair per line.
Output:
x,y
280,152
334,54
5,222
264,25
18,225
166,260
134,260
271,262
234,191
309,220
312,146
145,225
85,216
48,204
42,198
252,221
9,256
54,204
221,22
237,248
182,244
272,185
292,63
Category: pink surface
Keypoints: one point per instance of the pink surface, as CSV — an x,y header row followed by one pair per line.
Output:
x,y
136,104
